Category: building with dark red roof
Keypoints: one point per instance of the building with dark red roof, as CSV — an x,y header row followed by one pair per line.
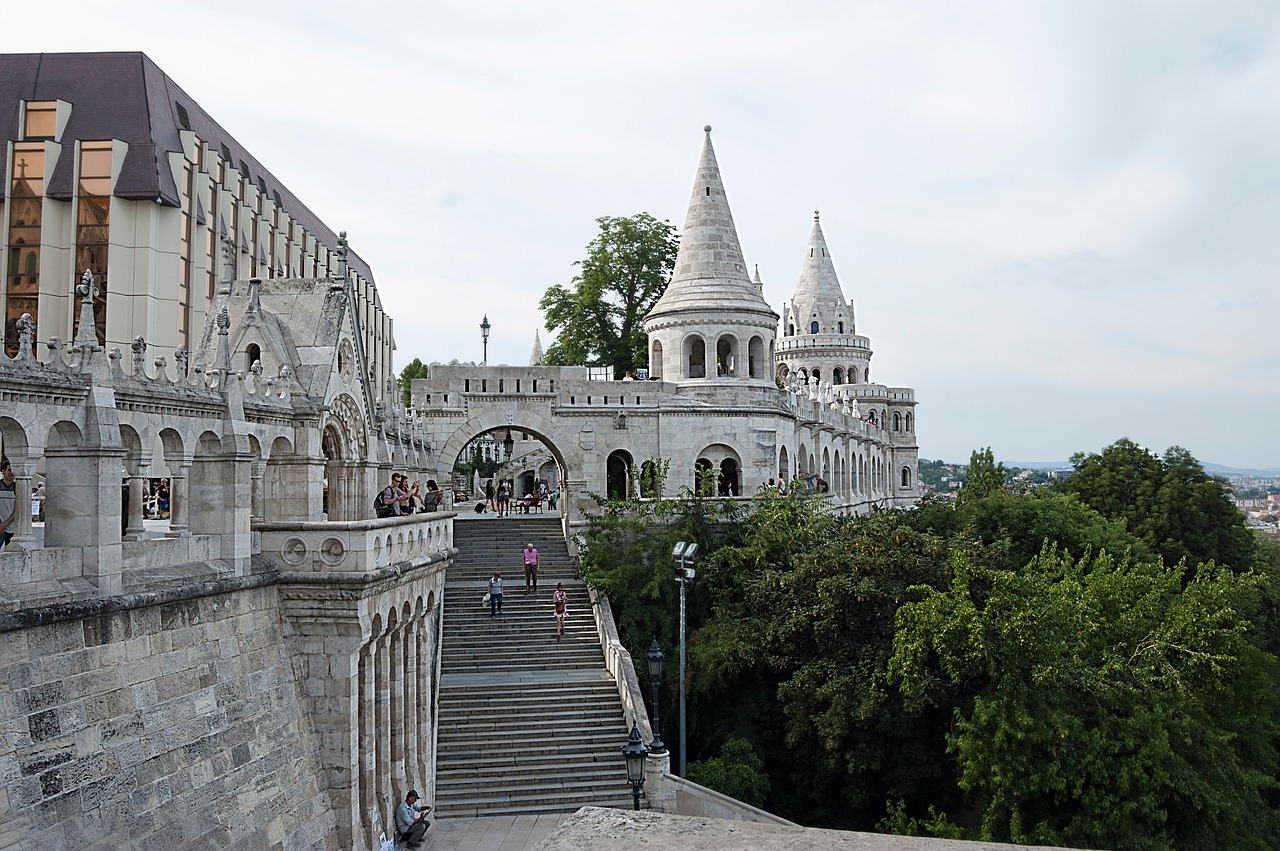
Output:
x,y
111,167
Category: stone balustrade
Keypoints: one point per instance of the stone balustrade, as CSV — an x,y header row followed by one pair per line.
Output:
x,y
357,546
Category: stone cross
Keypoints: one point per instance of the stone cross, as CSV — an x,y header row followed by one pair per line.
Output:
x,y
139,355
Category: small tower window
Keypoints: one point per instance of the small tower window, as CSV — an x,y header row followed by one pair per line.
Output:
x,y
839,327
813,327
708,191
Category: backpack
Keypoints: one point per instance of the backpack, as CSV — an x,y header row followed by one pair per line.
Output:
x,y
381,509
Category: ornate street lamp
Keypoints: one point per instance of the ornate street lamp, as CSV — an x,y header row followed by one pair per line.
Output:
x,y
634,752
654,658
484,332
509,444
684,555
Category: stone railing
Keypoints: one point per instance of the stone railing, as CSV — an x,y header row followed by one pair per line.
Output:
x,y
357,546
663,790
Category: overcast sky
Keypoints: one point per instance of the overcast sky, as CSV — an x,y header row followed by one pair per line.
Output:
x,y
1059,222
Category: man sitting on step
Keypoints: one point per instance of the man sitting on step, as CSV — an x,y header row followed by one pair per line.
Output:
x,y
411,821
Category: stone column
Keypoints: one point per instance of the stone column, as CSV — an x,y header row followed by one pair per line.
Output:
x,y
423,668
381,728
258,470
23,536
412,775
178,492
366,760
396,728
135,528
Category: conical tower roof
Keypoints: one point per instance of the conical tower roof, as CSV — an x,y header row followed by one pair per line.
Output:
x,y
818,289
710,272
535,357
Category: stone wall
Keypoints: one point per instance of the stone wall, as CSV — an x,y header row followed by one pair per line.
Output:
x,y
148,722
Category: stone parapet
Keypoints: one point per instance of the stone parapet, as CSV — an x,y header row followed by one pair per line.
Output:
x,y
359,545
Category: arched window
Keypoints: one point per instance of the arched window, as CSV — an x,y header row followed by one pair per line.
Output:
x,y
727,355
804,375
791,329
618,474
252,354
815,374
897,422
837,376
906,477
813,327
728,484
853,375
839,327
704,478
784,466
649,480
755,358
695,357
655,360
908,421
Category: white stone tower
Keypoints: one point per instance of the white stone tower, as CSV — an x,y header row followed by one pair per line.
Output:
x,y
712,326
818,336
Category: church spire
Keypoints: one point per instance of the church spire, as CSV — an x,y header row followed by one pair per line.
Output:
x,y
818,297
710,272
535,357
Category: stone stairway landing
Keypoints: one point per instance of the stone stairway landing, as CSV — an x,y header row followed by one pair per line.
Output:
x,y
526,724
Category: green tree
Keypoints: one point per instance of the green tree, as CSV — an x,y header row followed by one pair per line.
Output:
x,y
1172,505
599,318
414,369
984,476
1110,705
738,772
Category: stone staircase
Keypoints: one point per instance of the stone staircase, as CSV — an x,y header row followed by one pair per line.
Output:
x,y
525,725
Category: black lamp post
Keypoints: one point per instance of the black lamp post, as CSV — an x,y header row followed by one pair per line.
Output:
x,y
654,658
484,332
684,555
634,752
509,444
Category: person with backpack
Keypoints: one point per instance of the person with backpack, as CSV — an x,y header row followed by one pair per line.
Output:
x,y
390,501
560,601
495,595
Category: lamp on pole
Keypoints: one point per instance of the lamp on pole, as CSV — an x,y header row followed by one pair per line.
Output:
x,y
634,752
654,658
484,333
684,555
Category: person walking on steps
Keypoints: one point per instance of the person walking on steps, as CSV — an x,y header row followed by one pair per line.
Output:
x,y
561,602
530,555
488,495
495,595
411,821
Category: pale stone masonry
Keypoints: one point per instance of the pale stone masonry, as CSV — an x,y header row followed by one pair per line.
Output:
x,y
712,402
263,675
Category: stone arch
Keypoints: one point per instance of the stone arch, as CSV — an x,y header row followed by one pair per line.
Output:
x,y
784,466
783,371
813,327
802,457
13,438
63,434
564,448
826,464
803,375
814,373
897,421
755,357
727,355
618,474
694,355
714,455
75,510
655,359
909,423
906,477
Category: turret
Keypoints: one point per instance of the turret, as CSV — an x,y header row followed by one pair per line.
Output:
x,y
712,323
818,336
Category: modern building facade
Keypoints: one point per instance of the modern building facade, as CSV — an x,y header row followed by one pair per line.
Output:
x,y
109,166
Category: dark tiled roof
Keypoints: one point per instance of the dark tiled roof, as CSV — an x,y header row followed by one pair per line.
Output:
x,y
126,96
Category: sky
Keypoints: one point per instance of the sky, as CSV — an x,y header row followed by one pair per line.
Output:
x,y
1059,221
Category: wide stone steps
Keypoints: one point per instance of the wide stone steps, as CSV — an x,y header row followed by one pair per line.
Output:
x,y
526,725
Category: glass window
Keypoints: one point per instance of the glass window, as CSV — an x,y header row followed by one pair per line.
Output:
x,y
26,212
93,219
42,120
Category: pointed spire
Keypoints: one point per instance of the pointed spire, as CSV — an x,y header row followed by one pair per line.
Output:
x,y
755,277
710,272
818,290
535,357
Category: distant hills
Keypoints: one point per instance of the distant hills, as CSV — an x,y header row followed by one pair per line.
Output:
x,y
1211,469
